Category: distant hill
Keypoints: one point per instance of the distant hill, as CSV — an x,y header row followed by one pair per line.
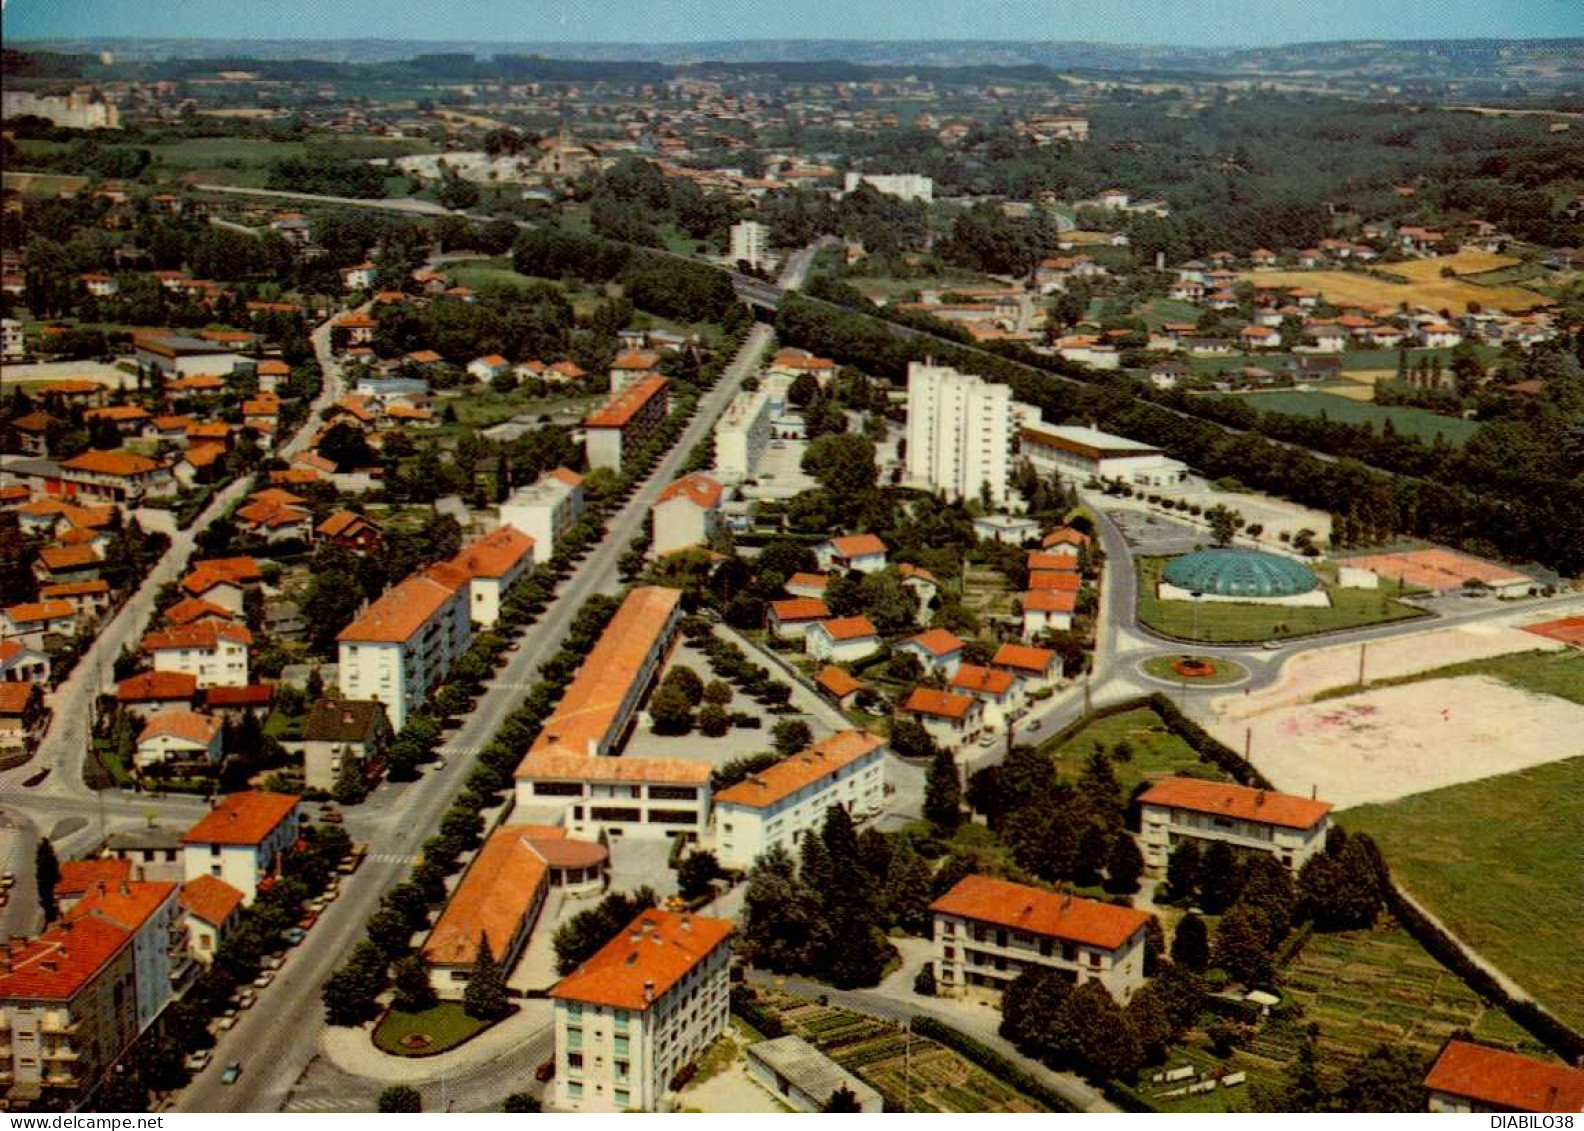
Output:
x,y
1548,61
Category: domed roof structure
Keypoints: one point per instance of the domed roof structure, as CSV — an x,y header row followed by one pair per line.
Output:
x,y
1240,573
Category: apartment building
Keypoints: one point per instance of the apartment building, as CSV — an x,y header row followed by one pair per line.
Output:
x,y
625,422
987,931
149,911
500,897
959,433
570,765
750,243
119,477
904,186
777,805
742,434
545,509
1468,1078
216,655
645,1005
1292,829
403,644
242,840
685,514
487,568
1083,453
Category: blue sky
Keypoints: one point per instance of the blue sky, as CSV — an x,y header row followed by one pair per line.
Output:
x,y
1197,22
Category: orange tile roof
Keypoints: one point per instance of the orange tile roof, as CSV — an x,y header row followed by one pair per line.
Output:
x,y
111,463
848,628
57,965
16,696
204,635
35,611
1049,601
190,609
79,537
1023,658
567,476
982,681
857,545
117,412
637,360
342,521
1067,917
699,488
273,368
127,904
1065,535
189,726
1242,802
279,497
808,580
636,968
910,572
505,880
936,641
495,554
1506,1080
1052,563
569,369
799,608
838,681
774,783
400,612
1046,579
210,899
157,687
243,818
67,557
621,408
78,876
938,704
206,573
563,765
594,698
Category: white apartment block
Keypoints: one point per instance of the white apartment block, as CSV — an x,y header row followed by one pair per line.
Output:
x,y
1290,828
648,1003
242,840
750,243
742,434
486,569
546,509
404,644
1081,453
214,654
988,931
959,433
905,186
12,344
686,514
777,805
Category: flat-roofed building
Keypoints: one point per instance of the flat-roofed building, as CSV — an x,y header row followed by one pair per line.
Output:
x,y
777,805
987,931
805,1079
1075,450
742,434
545,509
1290,828
959,433
1468,1078
403,645
750,244
627,421
500,897
646,1004
242,839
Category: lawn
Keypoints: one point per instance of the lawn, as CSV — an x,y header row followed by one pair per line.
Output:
x,y
1427,288
1415,422
1157,752
487,407
1160,311
43,184
1221,671
1226,623
912,1073
1498,859
446,1026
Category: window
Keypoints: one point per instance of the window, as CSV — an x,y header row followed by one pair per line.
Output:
x,y
623,1097
575,1089
575,1061
621,1069
615,813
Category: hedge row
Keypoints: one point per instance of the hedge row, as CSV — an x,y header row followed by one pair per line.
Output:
x,y
745,1004
1206,745
999,1066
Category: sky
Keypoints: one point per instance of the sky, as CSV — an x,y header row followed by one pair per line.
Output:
x,y
1186,22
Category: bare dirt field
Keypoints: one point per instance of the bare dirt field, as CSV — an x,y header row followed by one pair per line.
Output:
x,y
1428,288
1396,741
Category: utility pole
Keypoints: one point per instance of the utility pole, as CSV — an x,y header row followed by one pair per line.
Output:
x,y
1363,648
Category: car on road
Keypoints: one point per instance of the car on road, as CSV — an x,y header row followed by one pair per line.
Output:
x,y
34,779
198,1061
232,1071
264,979
294,935
228,1022
246,998
7,881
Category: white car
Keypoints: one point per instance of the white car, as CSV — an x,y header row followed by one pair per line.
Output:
x,y
264,979
198,1061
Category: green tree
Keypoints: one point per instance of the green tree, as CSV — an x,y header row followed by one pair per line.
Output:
x,y
842,1099
1218,877
843,464
414,993
909,739
789,736
582,935
1030,1007
1389,1078
485,997
46,875
351,787
670,712
521,1103
1243,945
1093,1035
1224,523
713,720
696,875
924,980
1191,944
687,681
718,691
943,792
400,1098
1124,866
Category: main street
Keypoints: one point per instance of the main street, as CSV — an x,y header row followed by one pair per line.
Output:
x,y
277,1038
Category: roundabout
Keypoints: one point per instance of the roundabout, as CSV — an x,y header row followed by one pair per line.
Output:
x,y
1187,670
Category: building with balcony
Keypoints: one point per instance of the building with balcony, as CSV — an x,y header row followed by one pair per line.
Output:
x,y
216,655
403,645
646,1004
959,433
988,931
627,421
242,840
742,434
1290,828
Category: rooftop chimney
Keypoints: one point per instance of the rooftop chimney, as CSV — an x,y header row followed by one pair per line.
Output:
x,y
648,991
687,922
125,889
1259,798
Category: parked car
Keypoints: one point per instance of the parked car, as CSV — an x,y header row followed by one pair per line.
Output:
x,y
264,979
7,880
198,1061
232,1071
271,962
246,998
294,935
228,1022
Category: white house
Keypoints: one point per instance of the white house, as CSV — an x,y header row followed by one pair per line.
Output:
x,y
546,509
791,619
242,840
841,640
488,367
213,909
1034,668
996,689
1292,829
778,805
939,652
178,735
865,553
685,514
216,654
487,568
642,1007
952,720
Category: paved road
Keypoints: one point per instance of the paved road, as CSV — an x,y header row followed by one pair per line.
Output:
x,y
289,1015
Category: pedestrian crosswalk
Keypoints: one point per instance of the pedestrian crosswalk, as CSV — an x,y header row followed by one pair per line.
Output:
x,y
392,858
325,1103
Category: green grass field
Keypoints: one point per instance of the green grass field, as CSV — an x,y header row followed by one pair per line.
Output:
x,y
1498,861
1222,623
446,1026
1157,752
1223,671
1408,421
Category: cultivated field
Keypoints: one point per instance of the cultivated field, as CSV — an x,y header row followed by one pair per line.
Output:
x,y
1339,406
1498,861
1427,288
1391,742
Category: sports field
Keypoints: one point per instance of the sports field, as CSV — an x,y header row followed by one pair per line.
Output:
x,y
1427,288
1498,861
1407,421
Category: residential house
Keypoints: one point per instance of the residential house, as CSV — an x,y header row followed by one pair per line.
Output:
x,y
686,514
29,624
865,553
242,840
214,911
997,690
938,652
792,618
122,478
489,367
1035,668
178,736
350,531
952,720
838,686
1292,829
1047,609
217,654
1468,1078
22,664
631,367
22,715
342,728
841,640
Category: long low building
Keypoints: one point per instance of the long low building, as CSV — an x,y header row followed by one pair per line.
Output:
x,y
1088,452
776,806
626,421
1468,1078
1176,810
572,766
